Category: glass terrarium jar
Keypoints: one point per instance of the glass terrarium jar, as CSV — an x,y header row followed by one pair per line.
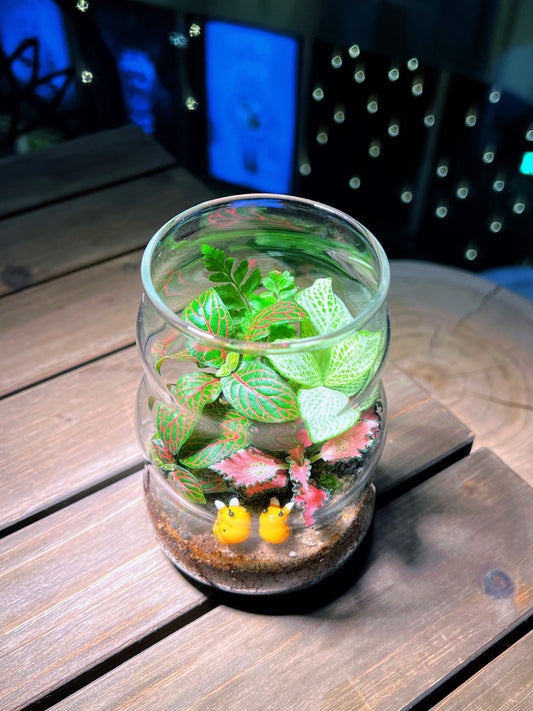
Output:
x,y
263,329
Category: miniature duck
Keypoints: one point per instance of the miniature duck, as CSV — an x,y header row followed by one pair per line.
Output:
x,y
273,526
233,522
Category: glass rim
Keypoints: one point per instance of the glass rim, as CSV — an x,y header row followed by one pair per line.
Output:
x,y
259,347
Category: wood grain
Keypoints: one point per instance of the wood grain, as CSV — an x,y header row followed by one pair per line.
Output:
x,y
470,343
79,586
506,684
429,600
62,323
68,434
76,166
65,236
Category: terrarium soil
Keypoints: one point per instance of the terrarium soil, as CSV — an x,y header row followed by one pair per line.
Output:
x,y
255,566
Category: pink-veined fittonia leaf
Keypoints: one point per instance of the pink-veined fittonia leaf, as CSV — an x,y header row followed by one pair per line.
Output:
x,y
174,426
186,484
279,436
299,472
232,439
250,467
279,312
160,350
208,313
350,444
211,482
258,392
162,455
310,499
194,390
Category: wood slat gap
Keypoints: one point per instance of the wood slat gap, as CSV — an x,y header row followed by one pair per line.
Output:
x,y
116,660
64,503
474,665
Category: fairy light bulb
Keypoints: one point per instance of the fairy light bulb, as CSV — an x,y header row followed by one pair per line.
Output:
x,y
305,169
417,87
359,74
394,74
195,30
412,64
374,149
429,120
471,118
372,105
354,51
488,156
87,76
406,196
191,103
529,134
519,207
442,169
339,115
462,191
393,129
441,211
354,182
318,93
471,254
336,61
498,185
322,137
494,96
82,5
495,226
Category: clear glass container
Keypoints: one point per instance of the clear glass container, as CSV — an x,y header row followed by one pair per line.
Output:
x,y
263,329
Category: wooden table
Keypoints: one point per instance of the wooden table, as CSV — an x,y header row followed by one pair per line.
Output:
x,y
434,612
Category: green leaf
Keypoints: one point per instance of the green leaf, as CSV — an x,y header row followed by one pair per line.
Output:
x,y
281,284
194,390
186,484
233,438
280,312
215,259
326,412
326,311
241,271
208,313
352,362
174,426
260,393
300,367
162,456
251,283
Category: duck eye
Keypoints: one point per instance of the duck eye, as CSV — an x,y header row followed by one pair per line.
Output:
x,y
231,513
281,513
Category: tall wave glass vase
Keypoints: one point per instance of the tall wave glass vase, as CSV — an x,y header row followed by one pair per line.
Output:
x,y
263,329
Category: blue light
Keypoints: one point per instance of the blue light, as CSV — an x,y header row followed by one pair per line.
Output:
x,y
41,22
251,82
526,166
138,77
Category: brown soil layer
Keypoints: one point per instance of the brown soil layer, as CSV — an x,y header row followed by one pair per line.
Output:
x,y
255,566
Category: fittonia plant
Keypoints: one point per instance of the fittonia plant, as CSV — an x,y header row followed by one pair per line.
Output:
x,y
248,424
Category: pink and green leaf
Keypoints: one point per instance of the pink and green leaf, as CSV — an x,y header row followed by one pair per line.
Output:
x,y
187,485
249,467
208,313
279,436
353,443
195,390
233,438
310,499
174,426
162,455
279,312
211,482
259,393
299,473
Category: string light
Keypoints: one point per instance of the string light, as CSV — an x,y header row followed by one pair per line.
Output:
x,y
305,169
417,87
82,5
339,115
86,76
318,93
178,39
336,61
429,120
359,74
374,149
191,103
471,254
354,51
322,137
406,196
519,207
354,182
412,64
494,96
195,30
488,156
498,185
462,191
393,129
394,74
372,105
495,226
471,118
441,211
442,170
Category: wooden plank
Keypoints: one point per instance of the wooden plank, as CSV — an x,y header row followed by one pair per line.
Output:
x,y
57,325
81,427
62,237
79,586
470,343
506,684
76,166
445,577
68,434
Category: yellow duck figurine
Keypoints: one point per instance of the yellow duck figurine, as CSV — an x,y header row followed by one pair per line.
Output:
x,y
233,522
273,526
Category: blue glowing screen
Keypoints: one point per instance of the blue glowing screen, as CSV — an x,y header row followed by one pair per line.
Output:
x,y
251,84
38,21
526,166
